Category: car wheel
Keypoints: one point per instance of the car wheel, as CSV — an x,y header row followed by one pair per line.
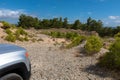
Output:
x,y
11,76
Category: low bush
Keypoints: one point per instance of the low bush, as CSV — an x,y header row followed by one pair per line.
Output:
x,y
67,35
19,34
10,37
6,25
75,42
75,38
117,35
57,34
93,45
8,31
71,35
111,59
20,31
54,34
20,39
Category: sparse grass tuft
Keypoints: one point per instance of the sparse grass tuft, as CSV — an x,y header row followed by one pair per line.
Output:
x,y
18,34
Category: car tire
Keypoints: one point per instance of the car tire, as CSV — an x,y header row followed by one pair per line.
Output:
x,y
11,76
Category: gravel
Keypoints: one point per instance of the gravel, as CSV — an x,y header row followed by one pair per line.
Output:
x,y
49,62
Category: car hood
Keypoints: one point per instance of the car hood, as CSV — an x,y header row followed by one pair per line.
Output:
x,y
7,48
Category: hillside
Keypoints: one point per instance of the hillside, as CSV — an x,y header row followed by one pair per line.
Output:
x,y
50,61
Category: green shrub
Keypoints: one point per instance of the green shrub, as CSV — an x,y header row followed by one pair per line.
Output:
x,y
117,35
23,38
60,35
6,25
93,45
8,31
13,26
56,34
20,39
53,34
67,35
75,42
10,37
19,34
111,59
75,38
20,31
71,35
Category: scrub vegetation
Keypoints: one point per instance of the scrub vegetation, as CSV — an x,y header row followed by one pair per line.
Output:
x,y
94,43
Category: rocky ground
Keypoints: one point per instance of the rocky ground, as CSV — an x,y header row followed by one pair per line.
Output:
x,y
51,62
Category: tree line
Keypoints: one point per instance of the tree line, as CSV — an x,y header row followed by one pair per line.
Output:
x,y
90,25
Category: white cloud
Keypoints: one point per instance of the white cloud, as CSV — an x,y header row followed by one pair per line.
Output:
x,y
111,21
7,13
114,17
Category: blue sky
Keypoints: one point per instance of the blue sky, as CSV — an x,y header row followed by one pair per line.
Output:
x,y
106,10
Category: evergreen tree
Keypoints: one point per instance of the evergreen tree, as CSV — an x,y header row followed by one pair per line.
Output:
x,y
65,23
76,25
